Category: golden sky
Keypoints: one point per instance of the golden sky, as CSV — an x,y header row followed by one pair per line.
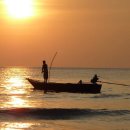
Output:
x,y
85,33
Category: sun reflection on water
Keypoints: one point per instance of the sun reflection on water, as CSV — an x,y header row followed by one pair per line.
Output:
x,y
16,81
14,78
16,91
17,102
16,85
13,126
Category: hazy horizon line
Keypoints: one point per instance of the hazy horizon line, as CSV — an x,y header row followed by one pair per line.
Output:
x,y
62,67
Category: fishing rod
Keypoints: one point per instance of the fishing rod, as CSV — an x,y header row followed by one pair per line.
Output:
x,y
114,83
51,65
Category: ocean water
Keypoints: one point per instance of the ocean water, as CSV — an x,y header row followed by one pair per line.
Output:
x,y
22,108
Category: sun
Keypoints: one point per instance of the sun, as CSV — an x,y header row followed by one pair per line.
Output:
x,y
19,8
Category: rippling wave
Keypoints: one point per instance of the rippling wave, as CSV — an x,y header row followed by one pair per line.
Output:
x,y
107,96
62,113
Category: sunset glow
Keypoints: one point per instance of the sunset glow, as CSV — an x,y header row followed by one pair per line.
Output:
x,y
85,33
19,8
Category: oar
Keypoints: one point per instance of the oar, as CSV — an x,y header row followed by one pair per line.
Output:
x,y
114,83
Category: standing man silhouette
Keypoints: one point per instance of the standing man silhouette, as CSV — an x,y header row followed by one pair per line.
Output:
x,y
45,71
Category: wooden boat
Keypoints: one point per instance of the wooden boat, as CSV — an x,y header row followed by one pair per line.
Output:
x,y
65,87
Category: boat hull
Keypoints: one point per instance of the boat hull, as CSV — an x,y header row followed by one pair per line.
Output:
x,y
65,87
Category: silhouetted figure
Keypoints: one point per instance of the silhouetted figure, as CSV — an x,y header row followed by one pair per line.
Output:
x,y
80,82
94,79
45,71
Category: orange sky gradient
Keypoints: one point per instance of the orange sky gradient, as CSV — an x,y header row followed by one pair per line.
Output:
x,y
85,33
